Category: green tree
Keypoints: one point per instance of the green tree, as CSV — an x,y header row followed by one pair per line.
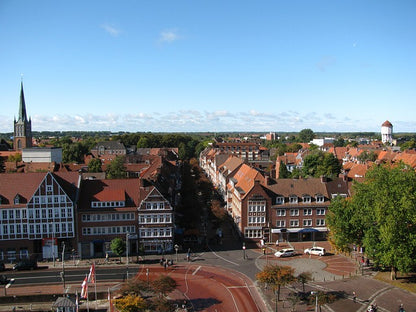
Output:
x,y
143,142
94,165
283,172
116,170
15,158
306,135
276,276
318,164
382,217
118,246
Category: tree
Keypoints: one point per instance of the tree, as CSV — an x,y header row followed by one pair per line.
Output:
x,y
163,285
118,246
381,216
15,158
318,164
130,303
134,286
304,277
306,135
276,276
115,169
283,172
94,165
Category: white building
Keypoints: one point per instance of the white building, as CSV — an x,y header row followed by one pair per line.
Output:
x,y
387,132
42,155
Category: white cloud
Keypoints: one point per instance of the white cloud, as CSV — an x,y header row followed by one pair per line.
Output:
x,y
201,121
169,36
111,30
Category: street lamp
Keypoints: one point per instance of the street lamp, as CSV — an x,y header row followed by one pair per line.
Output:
x,y
316,299
63,264
176,251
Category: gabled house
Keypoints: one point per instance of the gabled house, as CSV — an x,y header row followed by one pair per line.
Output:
x,y
107,209
37,214
155,221
247,202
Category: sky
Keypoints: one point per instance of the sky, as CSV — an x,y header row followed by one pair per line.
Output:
x,y
195,66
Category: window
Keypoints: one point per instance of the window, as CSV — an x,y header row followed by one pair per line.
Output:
x,y
18,214
43,214
44,228
294,212
280,200
320,198
280,223
253,233
320,211
293,199
56,211
4,213
307,222
17,200
24,214
306,199
294,223
161,206
50,214
37,214
307,212
11,214
320,222
49,188
149,206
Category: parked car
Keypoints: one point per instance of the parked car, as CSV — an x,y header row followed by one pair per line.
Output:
x,y
286,252
25,265
319,251
2,266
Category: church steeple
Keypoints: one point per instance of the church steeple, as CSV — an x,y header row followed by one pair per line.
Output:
x,y
22,105
22,137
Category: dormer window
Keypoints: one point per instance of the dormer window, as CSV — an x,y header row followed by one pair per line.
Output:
x,y
293,199
320,198
280,200
306,198
17,200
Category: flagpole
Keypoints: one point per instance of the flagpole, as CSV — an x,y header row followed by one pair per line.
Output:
x,y
95,286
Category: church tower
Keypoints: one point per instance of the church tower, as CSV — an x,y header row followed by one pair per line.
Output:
x,y
22,126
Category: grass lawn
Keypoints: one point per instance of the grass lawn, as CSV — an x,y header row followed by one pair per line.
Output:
x,y
404,281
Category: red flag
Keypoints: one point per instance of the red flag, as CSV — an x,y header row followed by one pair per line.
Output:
x,y
84,290
91,276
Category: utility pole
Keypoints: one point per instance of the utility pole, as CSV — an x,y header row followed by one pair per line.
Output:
x,y
127,254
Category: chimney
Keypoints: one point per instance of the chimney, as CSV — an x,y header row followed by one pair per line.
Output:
x,y
266,180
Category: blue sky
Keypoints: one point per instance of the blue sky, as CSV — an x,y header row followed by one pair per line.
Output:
x,y
173,66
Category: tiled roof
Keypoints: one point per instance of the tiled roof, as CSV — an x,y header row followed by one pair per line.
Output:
x,y
107,189
231,163
387,124
298,187
246,176
25,185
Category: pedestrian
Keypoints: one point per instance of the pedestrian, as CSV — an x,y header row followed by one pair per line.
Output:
x,y
188,255
401,309
106,257
165,264
354,296
277,243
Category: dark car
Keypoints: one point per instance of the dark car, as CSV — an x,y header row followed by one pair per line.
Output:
x,y
25,265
